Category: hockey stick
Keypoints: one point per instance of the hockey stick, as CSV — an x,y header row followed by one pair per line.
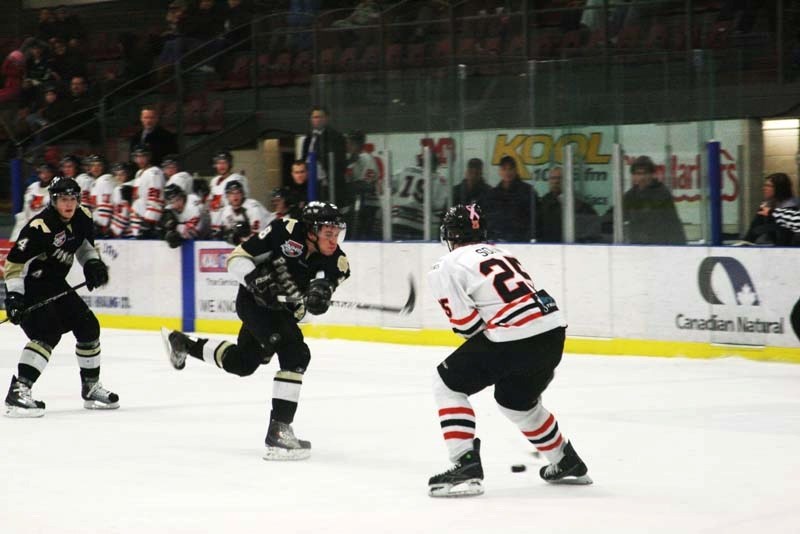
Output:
x,y
47,301
407,308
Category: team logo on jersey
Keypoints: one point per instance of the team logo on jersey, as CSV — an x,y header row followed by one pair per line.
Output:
x,y
59,239
292,249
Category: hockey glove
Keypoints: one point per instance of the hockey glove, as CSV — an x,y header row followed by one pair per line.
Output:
x,y
15,306
96,274
126,192
318,297
261,283
173,239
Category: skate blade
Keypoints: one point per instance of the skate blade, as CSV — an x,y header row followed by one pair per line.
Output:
x,y
286,455
17,412
468,488
585,480
165,332
97,405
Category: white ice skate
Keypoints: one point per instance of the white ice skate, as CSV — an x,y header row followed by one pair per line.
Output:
x,y
20,402
96,397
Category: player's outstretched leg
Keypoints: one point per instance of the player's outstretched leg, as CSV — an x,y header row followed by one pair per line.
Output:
x,y
177,345
282,444
19,400
568,470
465,478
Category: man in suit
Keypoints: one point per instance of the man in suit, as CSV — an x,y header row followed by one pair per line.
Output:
x,y
160,140
327,143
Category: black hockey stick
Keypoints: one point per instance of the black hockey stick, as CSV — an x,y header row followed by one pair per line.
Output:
x,y
407,308
47,301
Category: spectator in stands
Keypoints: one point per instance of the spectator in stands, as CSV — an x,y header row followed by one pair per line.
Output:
x,y
45,120
174,39
778,193
284,203
299,22
237,16
12,73
160,140
328,144
205,22
48,28
430,18
67,63
365,13
512,205
649,210
587,223
37,73
80,111
473,189
69,27
138,53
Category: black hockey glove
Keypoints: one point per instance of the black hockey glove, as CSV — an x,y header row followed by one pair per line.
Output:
x,y
15,306
261,283
173,238
96,274
239,233
318,296
126,192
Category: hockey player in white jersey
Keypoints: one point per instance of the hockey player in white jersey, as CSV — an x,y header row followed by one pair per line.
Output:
x,y
36,198
515,338
148,194
86,180
242,217
364,177
408,197
100,198
171,168
122,200
185,216
223,164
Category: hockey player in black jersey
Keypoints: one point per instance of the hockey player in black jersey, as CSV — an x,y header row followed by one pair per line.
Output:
x,y
36,269
290,268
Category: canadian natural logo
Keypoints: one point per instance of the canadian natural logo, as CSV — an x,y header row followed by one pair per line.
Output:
x,y
734,287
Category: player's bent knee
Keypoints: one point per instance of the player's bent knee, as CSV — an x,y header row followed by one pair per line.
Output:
x,y
445,379
519,401
88,329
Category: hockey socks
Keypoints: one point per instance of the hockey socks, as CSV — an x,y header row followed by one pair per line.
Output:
x,y
285,395
456,418
540,428
88,355
35,357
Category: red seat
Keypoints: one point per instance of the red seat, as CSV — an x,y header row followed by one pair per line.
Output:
x,y
347,60
658,38
239,76
169,111
394,56
194,114
327,60
302,66
466,48
442,52
628,38
280,74
370,59
415,55
215,119
545,45
572,43
718,35
263,69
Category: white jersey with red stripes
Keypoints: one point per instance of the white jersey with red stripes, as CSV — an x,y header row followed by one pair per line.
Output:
x,y
101,200
183,180
408,202
252,212
121,217
483,288
193,221
216,196
148,196
36,198
86,182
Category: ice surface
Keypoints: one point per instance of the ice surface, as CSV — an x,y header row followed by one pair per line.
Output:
x,y
673,445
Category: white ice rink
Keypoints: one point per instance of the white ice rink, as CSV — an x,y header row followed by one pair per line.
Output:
x,y
673,445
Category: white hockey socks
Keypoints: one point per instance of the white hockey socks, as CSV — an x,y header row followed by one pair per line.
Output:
x,y
540,428
456,418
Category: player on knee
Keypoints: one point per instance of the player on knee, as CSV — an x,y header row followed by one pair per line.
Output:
x,y
36,269
289,268
515,338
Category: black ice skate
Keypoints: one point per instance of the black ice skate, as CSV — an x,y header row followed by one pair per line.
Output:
x,y
177,346
96,397
464,479
569,470
283,445
20,402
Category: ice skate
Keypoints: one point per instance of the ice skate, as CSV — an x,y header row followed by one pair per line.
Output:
x,y
177,346
464,479
569,470
20,402
96,397
283,445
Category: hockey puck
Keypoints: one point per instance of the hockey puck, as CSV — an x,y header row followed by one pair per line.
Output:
x,y
518,468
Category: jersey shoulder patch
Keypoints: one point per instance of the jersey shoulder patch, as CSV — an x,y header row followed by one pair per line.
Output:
x,y
40,225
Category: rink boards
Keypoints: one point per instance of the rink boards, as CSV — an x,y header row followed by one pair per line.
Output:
x,y
662,301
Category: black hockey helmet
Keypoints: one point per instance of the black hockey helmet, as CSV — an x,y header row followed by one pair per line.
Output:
x,y
94,158
200,187
173,191
234,185
142,149
463,224
70,158
61,186
222,155
171,159
317,214
124,168
357,137
47,167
